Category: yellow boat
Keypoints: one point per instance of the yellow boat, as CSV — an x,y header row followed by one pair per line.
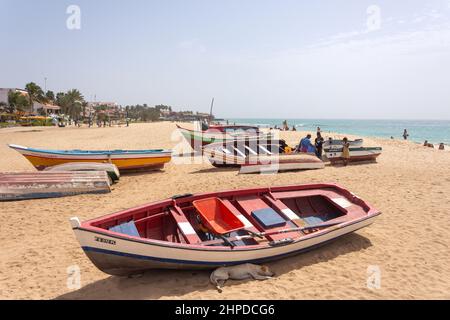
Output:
x,y
151,159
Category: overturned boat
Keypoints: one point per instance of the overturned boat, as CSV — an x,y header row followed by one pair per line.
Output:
x,y
259,156
109,168
38,185
222,228
125,160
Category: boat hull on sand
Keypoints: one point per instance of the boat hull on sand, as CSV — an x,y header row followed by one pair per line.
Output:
x,y
356,154
111,169
37,185
253,156
166,235
283,162
125,160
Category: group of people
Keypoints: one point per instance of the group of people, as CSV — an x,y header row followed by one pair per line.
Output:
x,y
307,146
430,145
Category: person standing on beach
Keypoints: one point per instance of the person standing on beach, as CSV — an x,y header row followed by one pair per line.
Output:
x,y
405,134
345,151
319,145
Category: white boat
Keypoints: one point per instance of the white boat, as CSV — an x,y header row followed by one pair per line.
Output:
x,y
356,154
111,169
335,143
255,156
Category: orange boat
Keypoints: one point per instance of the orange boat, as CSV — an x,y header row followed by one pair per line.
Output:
x,y
124,159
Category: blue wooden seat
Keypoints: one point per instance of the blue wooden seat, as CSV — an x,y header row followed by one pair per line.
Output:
x,y
128,228
268,218
313,220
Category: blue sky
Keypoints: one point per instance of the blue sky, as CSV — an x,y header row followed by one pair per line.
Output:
x,y
258,58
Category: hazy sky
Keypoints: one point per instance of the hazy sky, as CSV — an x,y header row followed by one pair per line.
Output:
x,y
259,59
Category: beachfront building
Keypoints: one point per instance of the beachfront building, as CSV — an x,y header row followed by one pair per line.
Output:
x,y
4,92
38,107
107,110
185,116
45,108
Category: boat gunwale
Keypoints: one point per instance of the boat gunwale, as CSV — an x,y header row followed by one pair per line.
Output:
x,y
198,247
88,225
76,152
218,132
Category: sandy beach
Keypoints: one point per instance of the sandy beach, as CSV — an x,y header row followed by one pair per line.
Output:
x,y
409,242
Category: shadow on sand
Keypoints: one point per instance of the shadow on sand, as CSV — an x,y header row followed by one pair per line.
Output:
x,y
351,164
155,284
216,169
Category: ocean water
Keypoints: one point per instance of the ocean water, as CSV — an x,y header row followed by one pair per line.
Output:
x,y
435,131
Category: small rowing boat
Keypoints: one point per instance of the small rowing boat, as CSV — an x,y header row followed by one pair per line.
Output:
x,y
356,154
222,228
334,143
111,169
197,139
36,185
255,156
131,160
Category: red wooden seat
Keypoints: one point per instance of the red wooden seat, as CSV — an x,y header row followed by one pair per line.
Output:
x,y
185,227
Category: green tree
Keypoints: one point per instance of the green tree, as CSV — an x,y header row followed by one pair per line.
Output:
x,y
35,93
17,101
50,96
74,101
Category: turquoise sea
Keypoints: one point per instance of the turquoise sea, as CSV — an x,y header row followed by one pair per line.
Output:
x,y
435,131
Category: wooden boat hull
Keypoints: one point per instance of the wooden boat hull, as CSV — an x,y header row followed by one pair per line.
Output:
x,y
199,139
36,185
124,160
356,154
111,169
127,257
288,162
121,254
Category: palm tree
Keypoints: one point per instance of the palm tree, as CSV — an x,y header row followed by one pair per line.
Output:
x,y
35,93
74,100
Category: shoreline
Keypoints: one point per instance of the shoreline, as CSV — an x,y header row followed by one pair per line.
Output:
x,y
302,127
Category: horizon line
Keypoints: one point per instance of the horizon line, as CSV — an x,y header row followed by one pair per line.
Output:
x,y
410,119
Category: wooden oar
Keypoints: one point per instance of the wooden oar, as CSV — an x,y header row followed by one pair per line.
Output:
x,y
263,234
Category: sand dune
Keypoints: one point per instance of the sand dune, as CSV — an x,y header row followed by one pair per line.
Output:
x,y
410,241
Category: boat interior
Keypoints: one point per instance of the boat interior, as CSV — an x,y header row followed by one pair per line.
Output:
x,y
250,148
267,218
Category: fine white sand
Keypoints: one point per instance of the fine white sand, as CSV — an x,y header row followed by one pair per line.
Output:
x,y
409,242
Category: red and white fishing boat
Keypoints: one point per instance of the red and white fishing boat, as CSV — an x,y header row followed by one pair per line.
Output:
x,y
255,156
223,228
356,154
